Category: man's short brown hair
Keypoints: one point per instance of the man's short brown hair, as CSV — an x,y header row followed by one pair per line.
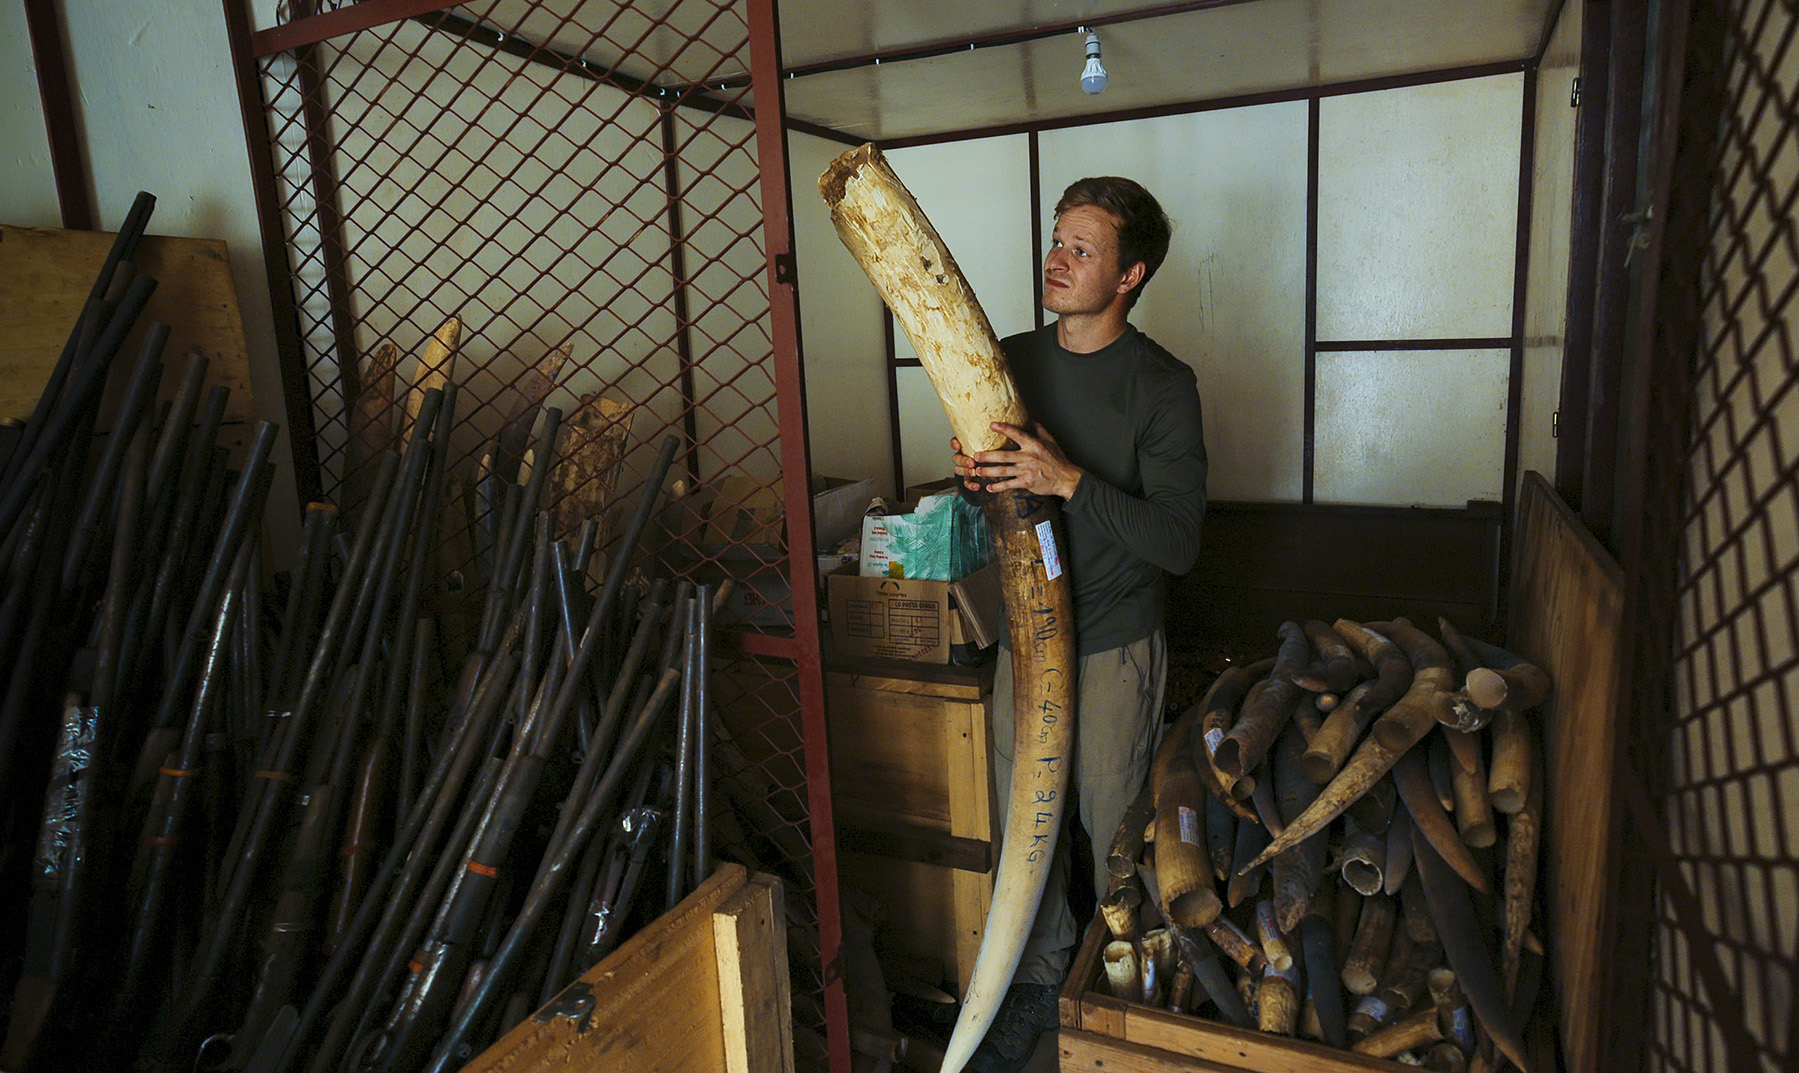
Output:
x,y
1143,228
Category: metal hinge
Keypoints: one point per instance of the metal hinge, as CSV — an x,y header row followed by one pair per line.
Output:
x,y
1574,93
1555,424
787,270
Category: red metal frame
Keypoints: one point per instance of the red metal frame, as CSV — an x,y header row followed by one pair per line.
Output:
x,y
777,230
713,346
67,162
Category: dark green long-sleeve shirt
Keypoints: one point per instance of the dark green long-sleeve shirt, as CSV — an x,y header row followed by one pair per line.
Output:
x,y
1128,416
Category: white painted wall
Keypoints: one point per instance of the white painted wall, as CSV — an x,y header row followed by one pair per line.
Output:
x,y
1551,223
1417,232
1418,210
1417,239
27,188
1229,300
157,109
840,333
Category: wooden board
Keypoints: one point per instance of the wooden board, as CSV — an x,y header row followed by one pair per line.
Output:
x,y
907,754
755,992
1088,1051
909,760
658,1001
901,676
1099,1032
1567,605
46,274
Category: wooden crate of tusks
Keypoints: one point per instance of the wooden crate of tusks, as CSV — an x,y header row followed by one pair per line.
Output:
x,y
1334,866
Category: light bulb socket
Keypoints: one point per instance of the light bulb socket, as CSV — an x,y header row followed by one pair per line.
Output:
x,y
1093,75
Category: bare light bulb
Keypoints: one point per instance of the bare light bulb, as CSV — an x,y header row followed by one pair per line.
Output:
x,y
1093,76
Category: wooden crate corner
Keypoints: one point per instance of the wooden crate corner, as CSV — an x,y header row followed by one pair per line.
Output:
x,y
702,988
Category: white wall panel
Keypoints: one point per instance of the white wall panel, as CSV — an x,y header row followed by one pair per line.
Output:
x,y
1411,428
157,110
1551,222
924,429
977,195
840,330
732,349
27,185
1230,298
1418,210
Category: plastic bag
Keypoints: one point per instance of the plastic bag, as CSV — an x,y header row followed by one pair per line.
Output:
x,y
943,539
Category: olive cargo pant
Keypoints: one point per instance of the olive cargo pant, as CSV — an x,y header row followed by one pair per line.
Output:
x,y
1117,719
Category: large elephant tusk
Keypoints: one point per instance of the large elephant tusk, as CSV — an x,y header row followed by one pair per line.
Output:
x,y
887,233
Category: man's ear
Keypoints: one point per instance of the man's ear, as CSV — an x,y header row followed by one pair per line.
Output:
x,y
1132,276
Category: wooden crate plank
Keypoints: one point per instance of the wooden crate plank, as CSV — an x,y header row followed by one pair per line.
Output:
x,y
887,753
1081,975
653,1004
45,276
750,941
1567,607
925,679
1236,1048
914,801
1097,1021
922,916
1087,1051
884,835
972,895
967,735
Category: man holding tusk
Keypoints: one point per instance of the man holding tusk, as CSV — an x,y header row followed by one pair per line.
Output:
x,y
1117,437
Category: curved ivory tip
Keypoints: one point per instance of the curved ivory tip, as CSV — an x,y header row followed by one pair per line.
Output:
x,y
1014,907
1486,688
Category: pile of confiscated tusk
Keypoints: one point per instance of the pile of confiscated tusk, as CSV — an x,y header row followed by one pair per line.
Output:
x,y
1341,843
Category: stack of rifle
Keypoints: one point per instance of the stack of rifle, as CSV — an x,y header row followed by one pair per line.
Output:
x,y
129,562
259,834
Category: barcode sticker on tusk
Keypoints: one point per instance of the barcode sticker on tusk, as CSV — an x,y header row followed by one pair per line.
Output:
x,y
1189,826
1046,539
1213,737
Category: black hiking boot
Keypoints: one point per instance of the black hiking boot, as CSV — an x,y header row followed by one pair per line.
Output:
x,y
1029,1010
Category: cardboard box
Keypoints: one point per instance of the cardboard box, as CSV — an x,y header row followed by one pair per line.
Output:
x,y
838,504
745,511
931,488
891,618
899,618
740,518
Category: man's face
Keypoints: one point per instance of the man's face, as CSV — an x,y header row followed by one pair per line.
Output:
x,y
1081,274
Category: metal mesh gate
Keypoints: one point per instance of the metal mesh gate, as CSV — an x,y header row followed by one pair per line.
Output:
x,y
1714,801
577,193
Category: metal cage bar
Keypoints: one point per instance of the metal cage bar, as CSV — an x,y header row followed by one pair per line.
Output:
x,y
595,182
1712,767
